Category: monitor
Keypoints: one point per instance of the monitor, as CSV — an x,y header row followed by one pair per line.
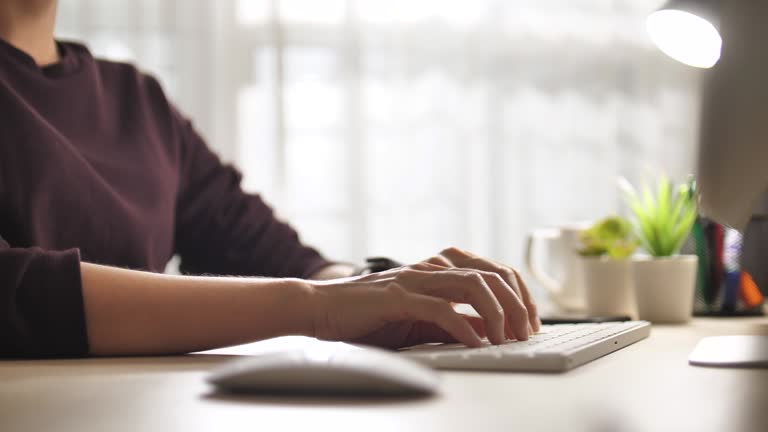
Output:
x,y
732,171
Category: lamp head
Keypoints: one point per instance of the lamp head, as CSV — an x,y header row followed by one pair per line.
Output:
x,y
687,31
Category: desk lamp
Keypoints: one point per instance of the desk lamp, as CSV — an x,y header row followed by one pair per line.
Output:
x,y
727,37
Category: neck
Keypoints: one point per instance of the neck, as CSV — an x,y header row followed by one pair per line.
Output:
x,y
28,25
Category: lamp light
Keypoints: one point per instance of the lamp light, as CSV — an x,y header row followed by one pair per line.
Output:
x,y
688,31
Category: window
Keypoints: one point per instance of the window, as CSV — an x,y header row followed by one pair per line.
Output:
x,y
400,127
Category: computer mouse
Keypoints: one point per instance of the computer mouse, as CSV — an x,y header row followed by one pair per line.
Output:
x,y
335,369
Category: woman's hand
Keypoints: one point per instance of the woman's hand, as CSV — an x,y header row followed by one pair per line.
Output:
x,y
413,304
454,257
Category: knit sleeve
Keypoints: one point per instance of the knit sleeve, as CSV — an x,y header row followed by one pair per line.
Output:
x,y
221,229
41,303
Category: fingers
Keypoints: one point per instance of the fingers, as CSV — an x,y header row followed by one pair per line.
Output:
x,y
440,261
424,332
530,306
513,280
496,292
463,286
460,258
454,254
430,266
418,307
503,312
360,306
516,313
477,324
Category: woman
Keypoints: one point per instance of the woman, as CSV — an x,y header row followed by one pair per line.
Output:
x,y
98,171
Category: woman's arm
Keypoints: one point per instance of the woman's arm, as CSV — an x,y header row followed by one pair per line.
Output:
x,y
132,312
221,229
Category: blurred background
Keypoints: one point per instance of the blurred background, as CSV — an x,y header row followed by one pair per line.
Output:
x,y
400,127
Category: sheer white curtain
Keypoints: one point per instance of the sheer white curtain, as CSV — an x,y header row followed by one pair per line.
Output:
x,y
399,127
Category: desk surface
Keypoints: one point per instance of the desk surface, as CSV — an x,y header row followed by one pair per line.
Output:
x,y
646,387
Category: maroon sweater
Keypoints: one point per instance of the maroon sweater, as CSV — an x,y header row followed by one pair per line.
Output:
x,y
97,165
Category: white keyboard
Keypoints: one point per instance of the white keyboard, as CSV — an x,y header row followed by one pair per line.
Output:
x,y
557,347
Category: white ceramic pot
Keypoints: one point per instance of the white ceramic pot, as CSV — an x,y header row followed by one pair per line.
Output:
x,y
664,288
608,286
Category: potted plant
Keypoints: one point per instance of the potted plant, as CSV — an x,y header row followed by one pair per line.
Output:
x,y
607,271
664,281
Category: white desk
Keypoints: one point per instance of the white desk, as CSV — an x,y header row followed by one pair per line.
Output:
x,y
645,387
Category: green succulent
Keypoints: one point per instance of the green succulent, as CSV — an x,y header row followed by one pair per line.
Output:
x,y
662,221
610,237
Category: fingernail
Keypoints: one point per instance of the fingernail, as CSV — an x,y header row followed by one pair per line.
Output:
x,y
478,342
528,331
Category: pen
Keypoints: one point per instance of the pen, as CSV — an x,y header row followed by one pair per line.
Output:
x,y
731,254
702,279
717,261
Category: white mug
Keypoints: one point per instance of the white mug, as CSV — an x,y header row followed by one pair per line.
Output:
x,y
567,288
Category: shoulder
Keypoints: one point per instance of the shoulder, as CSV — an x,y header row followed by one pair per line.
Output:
x,y
140,89
119,77
126,77
132,94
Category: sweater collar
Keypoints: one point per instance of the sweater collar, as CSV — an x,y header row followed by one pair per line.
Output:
x,y
68,61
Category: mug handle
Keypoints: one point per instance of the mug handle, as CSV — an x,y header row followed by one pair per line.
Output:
x,y
552,286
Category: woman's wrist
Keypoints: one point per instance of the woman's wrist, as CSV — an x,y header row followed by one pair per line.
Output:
x,y
296,310
321,295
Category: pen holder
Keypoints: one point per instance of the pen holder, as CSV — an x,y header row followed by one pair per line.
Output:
x,y
725,285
